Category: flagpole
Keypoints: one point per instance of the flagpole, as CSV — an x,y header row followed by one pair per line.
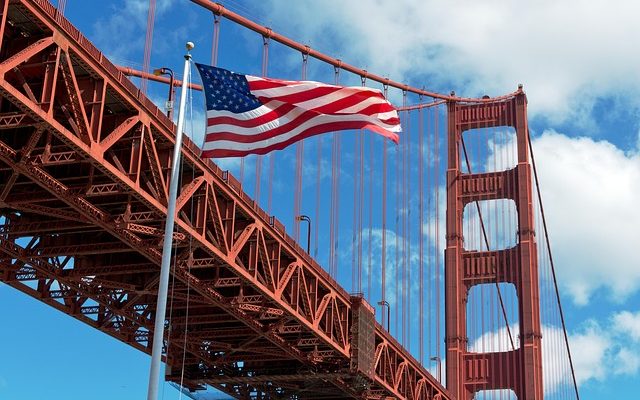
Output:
x,y
158,331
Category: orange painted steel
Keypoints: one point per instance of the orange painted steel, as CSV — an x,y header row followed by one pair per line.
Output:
x,y
128,71
519,369
84,169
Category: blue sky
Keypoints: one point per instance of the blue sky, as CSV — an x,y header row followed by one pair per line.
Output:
x,y
579,65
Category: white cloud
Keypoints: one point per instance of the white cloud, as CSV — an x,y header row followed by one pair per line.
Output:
x,y
590,353
627,362
628,323
589,189
599,353
567,53
127,23
391,269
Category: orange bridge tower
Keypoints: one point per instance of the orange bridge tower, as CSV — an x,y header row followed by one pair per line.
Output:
x,y
518,368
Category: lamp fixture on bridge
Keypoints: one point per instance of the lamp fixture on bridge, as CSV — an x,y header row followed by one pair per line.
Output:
x,y
384,303
169,103
308,220
439,360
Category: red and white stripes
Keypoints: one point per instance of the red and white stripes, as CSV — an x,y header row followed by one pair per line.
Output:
x,y
292,111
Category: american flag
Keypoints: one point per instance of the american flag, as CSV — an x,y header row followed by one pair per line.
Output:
x,y
252,115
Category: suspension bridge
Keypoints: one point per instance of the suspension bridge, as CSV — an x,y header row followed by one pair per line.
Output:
x,y
444,235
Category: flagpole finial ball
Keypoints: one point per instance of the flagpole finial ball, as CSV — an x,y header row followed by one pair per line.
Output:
x,y
190,46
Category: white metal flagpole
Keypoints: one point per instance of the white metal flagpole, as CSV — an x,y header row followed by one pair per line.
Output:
x,y
158,330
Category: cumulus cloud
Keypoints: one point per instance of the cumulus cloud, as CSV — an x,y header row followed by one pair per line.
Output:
x,y
127,23
628,323
590,362
589,189
391,269
627,362
600,352
483,47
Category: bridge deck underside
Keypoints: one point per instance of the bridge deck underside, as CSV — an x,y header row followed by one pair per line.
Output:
x,y
84,170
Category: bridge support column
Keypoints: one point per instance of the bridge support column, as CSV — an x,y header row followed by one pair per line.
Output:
x,y
519,368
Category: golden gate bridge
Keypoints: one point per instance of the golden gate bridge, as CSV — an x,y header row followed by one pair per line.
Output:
x,y
85,158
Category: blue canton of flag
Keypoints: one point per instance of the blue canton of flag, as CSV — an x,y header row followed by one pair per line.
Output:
x,y
227,91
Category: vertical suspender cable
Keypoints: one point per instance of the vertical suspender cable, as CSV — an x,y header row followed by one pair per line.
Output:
x,y
438,255
354,226
297,197
398,207
420,235
270,183
404,222
408,224
332,206
61,5
317,215
429,237
241,171
335,169
370,217
147,44
361,202
265,64
359,208
336,245
383,256
361,179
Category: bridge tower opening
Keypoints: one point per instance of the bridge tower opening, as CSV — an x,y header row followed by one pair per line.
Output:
x,y
520,367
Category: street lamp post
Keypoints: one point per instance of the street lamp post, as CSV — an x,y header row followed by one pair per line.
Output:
x,y
439,360
308,220
384,303
167,71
